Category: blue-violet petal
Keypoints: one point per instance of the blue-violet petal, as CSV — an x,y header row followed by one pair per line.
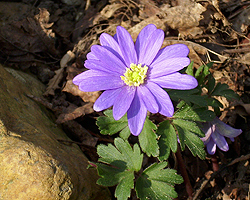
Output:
x,y
172,51
136,115
106,99
164,102
168,66
220,141
126,45
185,82
123,101
148,99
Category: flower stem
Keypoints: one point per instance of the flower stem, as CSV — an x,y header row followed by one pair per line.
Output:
x,y
215,163
184,173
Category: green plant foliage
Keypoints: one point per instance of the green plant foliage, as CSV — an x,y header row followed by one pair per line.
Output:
x,y
202,72
125,133
185,122
121,161
190,70
194,114
122,151
108,125
223,90
189,134
148,139
157,183
168,139
210,84
189,96
111,176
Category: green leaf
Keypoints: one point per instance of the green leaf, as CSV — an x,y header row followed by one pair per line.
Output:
x,y
215,104
189,96
202,72
157,183
190,70
168,139
223,90
122,190
189,134
111,176
121,161
122,151
148,139
108,125
194,114
210,84
125,133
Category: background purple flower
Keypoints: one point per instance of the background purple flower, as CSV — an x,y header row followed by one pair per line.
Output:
x,y
215,133
133,75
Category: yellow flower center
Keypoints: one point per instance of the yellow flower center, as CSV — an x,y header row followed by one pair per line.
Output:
x,y
135,75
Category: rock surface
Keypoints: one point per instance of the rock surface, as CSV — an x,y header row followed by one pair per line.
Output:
x,y
33,164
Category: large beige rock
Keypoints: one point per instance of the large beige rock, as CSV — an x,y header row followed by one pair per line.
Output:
x,y
33,164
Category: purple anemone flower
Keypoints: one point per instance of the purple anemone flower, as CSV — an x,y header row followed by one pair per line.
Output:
x,y
215,133
132,75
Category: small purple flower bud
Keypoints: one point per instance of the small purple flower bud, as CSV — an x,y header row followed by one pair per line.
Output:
x,y
215,133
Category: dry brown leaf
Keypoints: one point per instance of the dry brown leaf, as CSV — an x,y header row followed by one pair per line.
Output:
x,y
109,10
70,87
184,17
73,112
188,15
148,9
187,22
22,40
215,3
245,59
54,82
67,58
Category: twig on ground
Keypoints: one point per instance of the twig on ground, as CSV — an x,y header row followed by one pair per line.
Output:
x,y
203,185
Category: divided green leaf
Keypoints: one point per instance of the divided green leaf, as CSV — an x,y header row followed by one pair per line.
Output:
x,y
168,139
202,72
189,96
111,176
157,183
108,125
148,139
189,134
121,161
121,153
223,90
194,114
125,133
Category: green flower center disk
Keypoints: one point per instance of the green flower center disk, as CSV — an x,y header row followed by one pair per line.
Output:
x,y
135,75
